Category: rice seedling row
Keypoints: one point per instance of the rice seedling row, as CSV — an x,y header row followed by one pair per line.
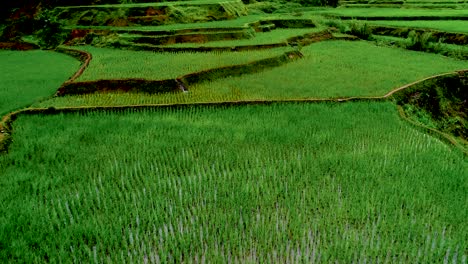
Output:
x,y
278,183
120,64
363,69
263,38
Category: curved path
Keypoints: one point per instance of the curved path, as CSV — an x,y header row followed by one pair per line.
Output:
x,y
83,56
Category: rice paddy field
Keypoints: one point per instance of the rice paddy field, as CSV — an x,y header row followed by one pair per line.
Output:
x,y
272,37
257,183
119,64
271,163
366,70
27,77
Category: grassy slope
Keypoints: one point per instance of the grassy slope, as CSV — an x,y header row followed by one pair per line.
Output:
x,y
275,36
119,64
237,22
168,3
393,12
447,25
244,181
29,76
337,69
330,69
405,41
244,20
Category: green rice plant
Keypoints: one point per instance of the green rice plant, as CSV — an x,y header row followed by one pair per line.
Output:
x,y
279,183
29,76
263,38
333,69
120,64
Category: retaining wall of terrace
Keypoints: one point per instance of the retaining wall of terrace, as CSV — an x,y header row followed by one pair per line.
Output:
x,y
82,32
190,38
446,37
149,14
148,47
18,46
303,40
403,18
6,128
171,85
202,34
444,100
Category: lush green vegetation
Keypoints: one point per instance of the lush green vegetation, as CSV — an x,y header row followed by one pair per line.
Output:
x,y
160,3
439,104
27,77
393,12
361,68
451,50
120,64
364,70
254,183
272,37
237,22
443,25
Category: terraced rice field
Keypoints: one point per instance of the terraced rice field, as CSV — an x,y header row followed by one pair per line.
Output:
x,y
27,77
254,183
366,70
264,38
120,64
296,154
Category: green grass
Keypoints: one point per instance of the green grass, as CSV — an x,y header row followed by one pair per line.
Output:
x,y
121,64
332,69
434,1
392,12
241,21
168,3
237,22
258,183
444,25
272,37
29,76
337,69
404,41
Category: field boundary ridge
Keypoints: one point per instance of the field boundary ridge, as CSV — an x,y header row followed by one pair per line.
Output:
x,y
6,129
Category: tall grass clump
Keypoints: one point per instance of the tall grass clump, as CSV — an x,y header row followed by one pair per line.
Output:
x,y
361,30
338,24
420,41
